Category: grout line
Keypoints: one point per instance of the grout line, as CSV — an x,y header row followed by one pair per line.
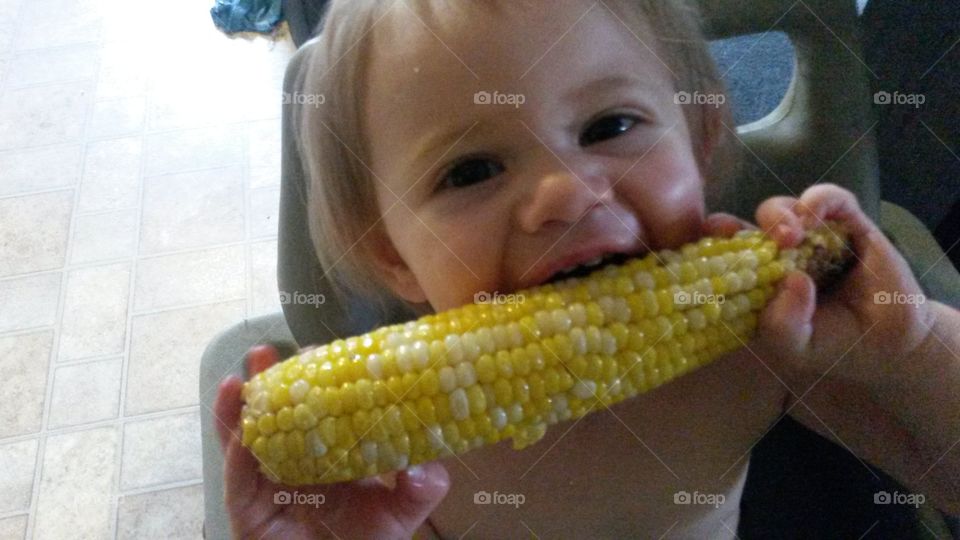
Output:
x,y
162,486
176,307
58,324
18,513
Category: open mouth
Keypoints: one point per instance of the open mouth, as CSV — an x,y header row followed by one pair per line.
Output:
x,y
589,267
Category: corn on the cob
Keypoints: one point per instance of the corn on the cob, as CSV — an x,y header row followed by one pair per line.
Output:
x,y
475,375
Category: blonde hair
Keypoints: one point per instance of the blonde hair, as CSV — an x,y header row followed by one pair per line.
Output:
x,y
342,211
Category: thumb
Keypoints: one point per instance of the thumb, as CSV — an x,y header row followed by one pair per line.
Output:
x,y
418,492
785,326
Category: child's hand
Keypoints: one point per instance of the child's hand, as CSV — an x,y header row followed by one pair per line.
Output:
x,y
361,509
874,319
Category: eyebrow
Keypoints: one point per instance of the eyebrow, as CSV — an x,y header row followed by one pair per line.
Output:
x,y
446,139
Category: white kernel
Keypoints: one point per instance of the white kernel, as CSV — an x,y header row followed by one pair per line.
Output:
x,y
298,391
375,366
435,437
716,265
315,442
743,303
544,323
485,340
621,310
584,388
393,340
448,379
734,283
471,349
696,319
404,359
615,388
728,310
368,449
515,413
578,314
748,278
454,348
466,374
670,256
459,405
516,334
606,306
748,260
561,320
673,270
560,403
420,354
608,343
578,340
498,418
401,461
501,337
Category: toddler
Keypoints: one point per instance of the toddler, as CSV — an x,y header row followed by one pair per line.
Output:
x,y
492,146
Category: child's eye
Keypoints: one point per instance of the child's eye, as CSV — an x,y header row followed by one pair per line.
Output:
x,y
607,127
471,171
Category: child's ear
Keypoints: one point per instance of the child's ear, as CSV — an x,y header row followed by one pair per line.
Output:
x,y
395,273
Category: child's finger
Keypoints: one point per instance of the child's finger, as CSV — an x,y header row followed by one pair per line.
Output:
x,y
824,202
725,225
226,408
786,323
777,217
418,491
261,357
242,485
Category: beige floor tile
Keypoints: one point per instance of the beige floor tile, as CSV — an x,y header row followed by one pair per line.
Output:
x,y
53,65
99,237
165,351
161,450
76,485
111,175
95,312
263,144
170,513
34,231
54,23
190,278
40,168
29,302
116,117
264,177
24,360
18,462
264,212
14,527
263,275
43,114
190,210
124,70
179,151
85,393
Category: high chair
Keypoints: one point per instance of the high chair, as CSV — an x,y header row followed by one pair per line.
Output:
x,y
820,132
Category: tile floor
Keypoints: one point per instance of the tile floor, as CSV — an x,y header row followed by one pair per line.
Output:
x,y
139,173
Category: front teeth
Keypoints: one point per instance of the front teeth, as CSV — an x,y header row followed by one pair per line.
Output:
x,y
587,264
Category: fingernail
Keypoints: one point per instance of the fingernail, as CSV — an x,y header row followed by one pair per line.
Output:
x,y
417,474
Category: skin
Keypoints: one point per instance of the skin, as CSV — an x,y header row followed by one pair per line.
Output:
x,y
829,362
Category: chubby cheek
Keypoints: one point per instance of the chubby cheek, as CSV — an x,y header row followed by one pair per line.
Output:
x,y
667,194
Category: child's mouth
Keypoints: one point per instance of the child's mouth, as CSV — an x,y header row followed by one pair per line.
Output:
x,y
588,267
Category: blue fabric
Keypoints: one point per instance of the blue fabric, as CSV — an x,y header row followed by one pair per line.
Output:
x,y
246,15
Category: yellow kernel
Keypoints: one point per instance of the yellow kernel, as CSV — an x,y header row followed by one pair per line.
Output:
x,y
280,397
285,419
267,424
429,383
504,365
426,411
303,417
476,399
521,363
296,447
349,398
277,447
364,392
486,369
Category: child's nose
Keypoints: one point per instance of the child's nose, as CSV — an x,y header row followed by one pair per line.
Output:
x,y
562,197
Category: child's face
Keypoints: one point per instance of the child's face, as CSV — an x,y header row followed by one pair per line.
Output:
x,y
478,196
